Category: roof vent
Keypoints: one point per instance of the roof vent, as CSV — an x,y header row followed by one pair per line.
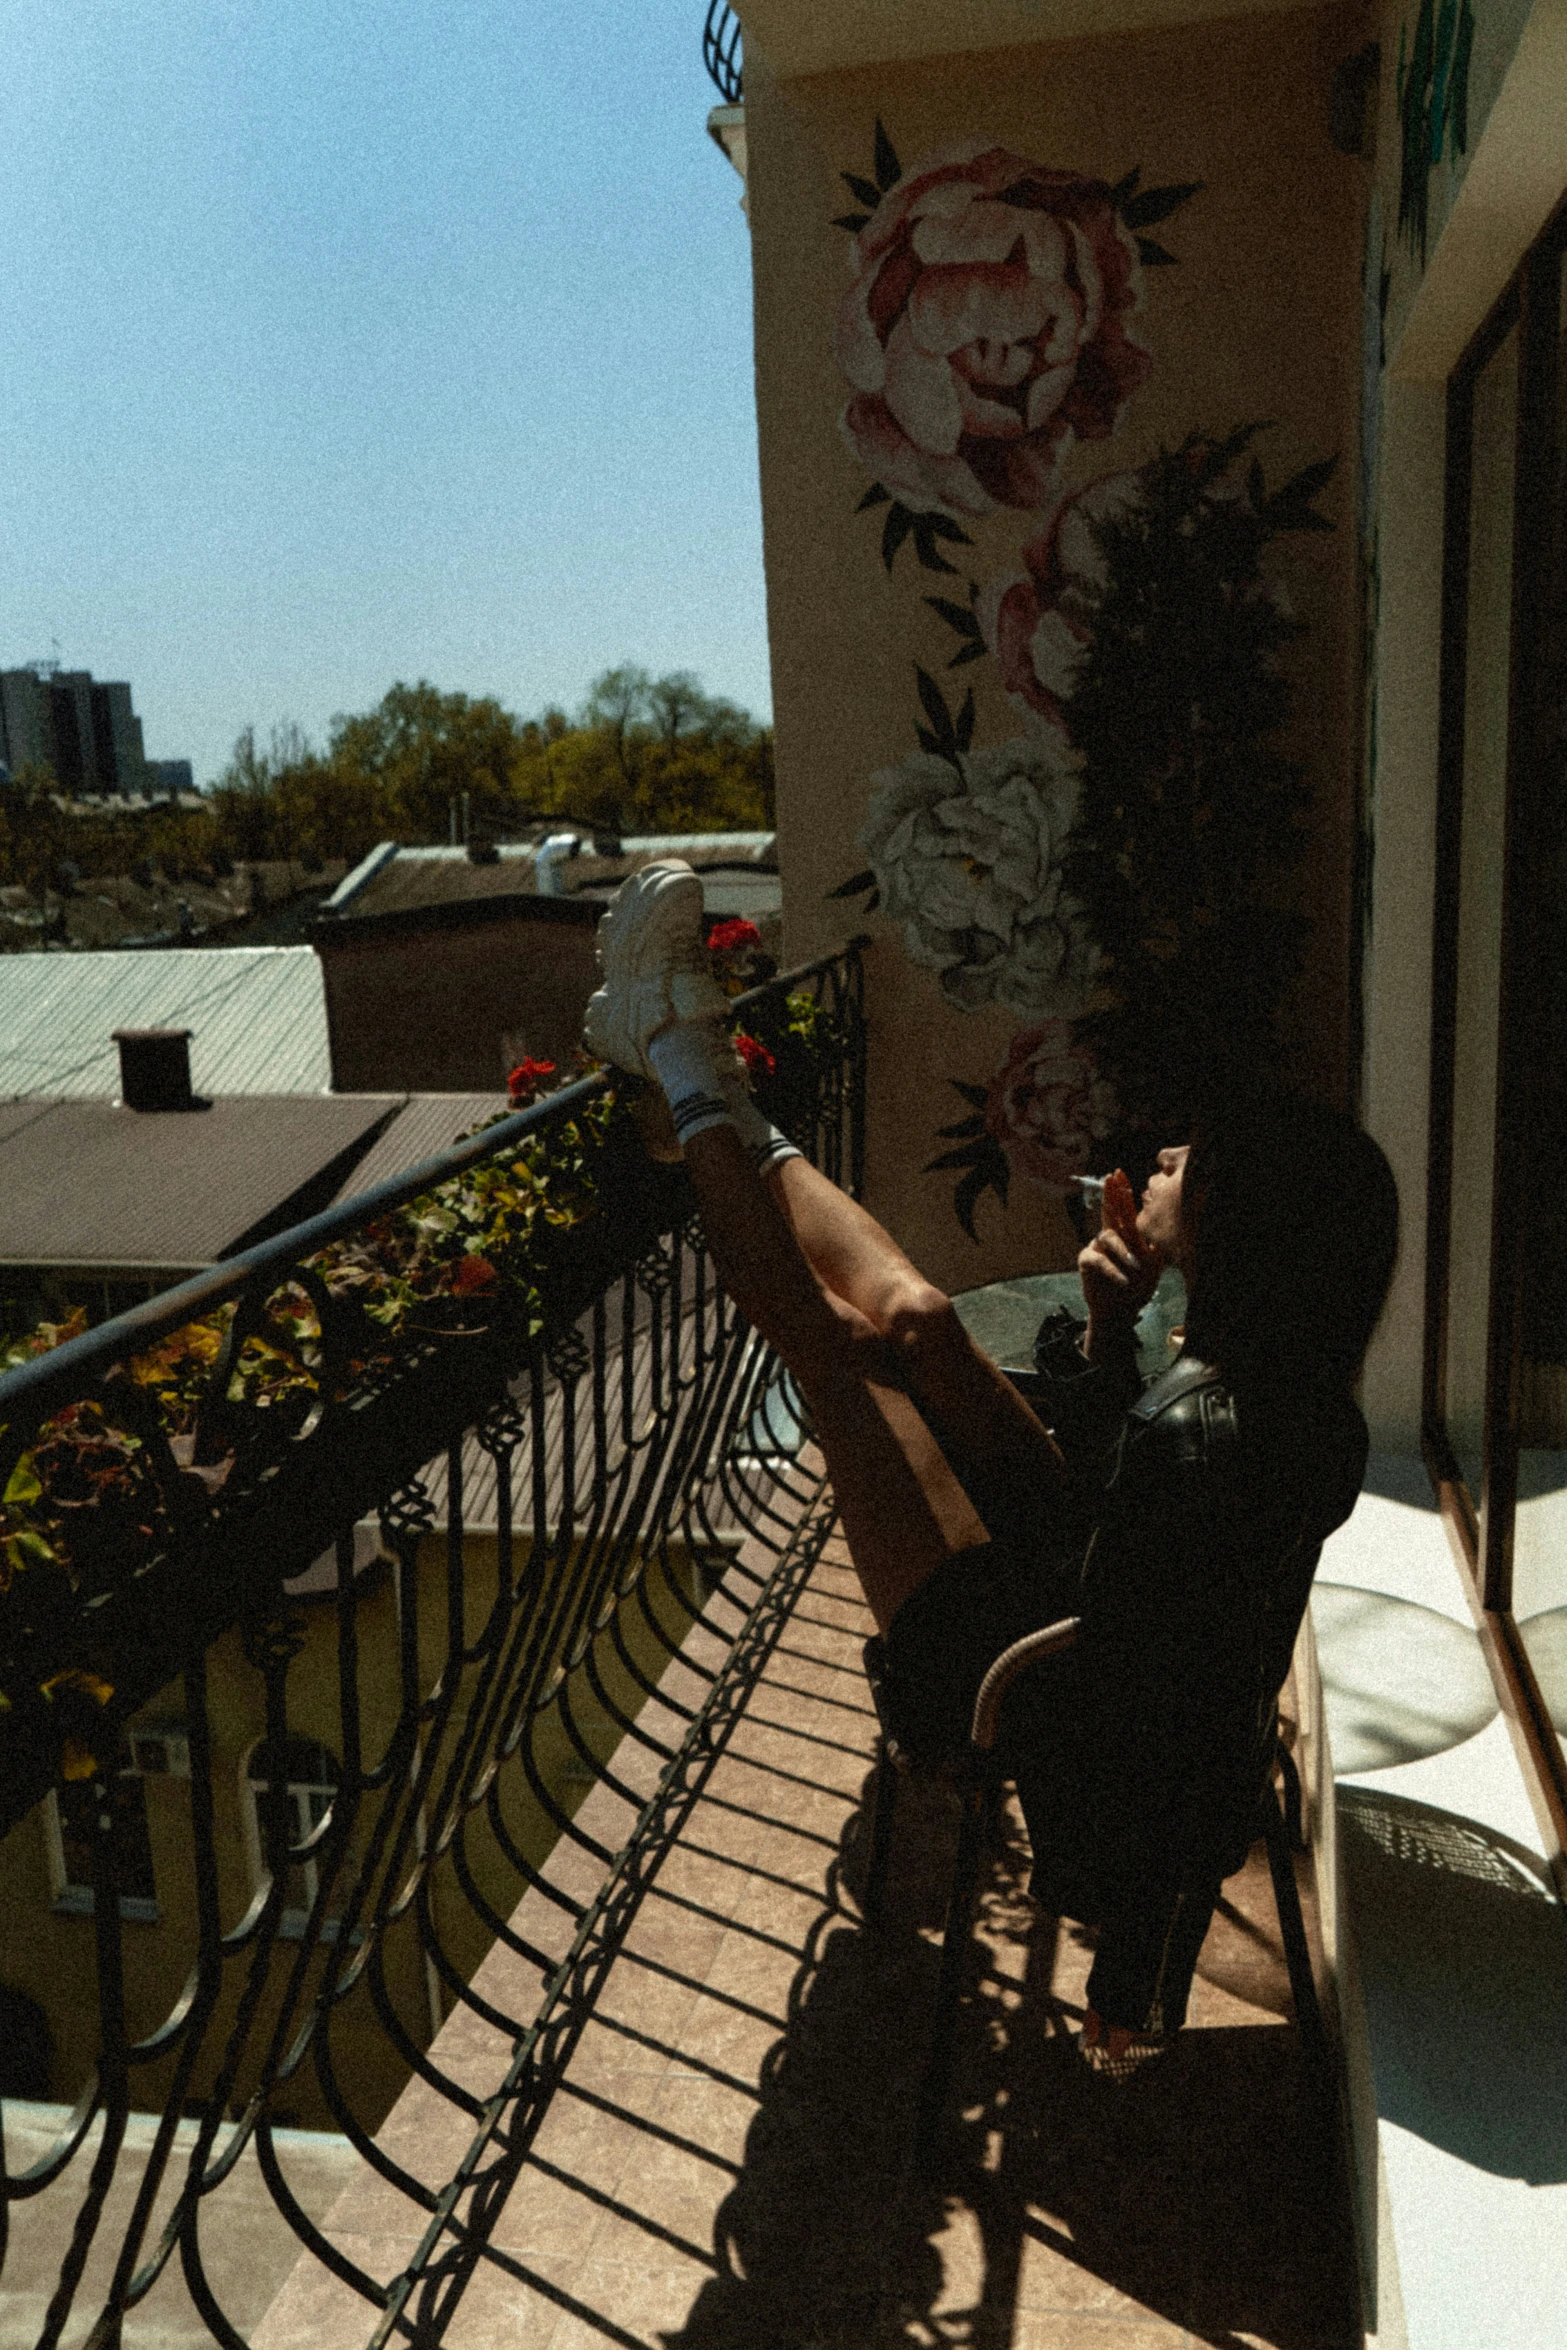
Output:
x,y
155,1068
547,861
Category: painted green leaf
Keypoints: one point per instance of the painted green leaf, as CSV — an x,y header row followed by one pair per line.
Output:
x,y
1458,112
895,530
1154,256
852,221
925,548
962,620
864,192
1156,204
874,496
888,169
934,701
1441,70
855,886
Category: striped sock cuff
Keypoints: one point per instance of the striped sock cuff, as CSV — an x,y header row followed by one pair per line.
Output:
x,y
694,1112
773,1152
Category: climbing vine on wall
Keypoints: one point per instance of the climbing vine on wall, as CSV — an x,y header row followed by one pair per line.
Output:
x,y
1433,107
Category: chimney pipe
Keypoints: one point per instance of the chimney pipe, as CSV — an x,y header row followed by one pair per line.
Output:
x,y
155,1068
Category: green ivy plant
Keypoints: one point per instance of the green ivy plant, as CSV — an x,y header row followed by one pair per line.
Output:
x,y
1433,107
1191,808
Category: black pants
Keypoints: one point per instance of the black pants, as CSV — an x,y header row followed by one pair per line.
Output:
x,y
938,1649
1142,1973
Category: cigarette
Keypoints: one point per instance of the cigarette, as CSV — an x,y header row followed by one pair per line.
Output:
x,y
1092,1188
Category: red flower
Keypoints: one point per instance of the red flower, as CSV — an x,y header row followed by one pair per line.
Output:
x,y
475,1277
527,1081
728,938
758,1060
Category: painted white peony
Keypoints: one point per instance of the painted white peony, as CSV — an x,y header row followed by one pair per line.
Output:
x,y
968,860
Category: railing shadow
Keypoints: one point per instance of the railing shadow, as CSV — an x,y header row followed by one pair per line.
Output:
x,y
1204,2197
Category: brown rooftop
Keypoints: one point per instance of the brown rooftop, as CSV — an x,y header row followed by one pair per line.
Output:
x,y
427,1123
89,1183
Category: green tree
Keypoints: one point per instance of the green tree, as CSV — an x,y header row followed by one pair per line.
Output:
x,y
423,749
32,830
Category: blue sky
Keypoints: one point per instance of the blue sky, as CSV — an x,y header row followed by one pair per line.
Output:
x,y
352,340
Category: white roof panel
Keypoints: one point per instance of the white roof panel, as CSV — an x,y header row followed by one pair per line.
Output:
x,y
257,1017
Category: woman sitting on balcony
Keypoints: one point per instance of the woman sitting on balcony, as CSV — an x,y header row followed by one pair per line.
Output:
x,y
1181,1522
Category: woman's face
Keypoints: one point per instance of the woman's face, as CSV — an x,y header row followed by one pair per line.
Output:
x,y
1162,1218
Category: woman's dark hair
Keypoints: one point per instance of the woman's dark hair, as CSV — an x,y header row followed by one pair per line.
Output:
x,y
1295,1233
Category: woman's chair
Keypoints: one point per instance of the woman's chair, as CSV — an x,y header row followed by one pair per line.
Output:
x,y
979,1789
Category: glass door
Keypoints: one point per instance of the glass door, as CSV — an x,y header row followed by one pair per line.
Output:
x,y
1496,1328
1539,1558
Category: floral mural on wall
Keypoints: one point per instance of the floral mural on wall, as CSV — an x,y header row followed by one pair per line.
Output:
x,y
1102,874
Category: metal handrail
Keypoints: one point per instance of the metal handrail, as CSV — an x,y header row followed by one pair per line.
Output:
x,y
722,37
36,1389
631,1470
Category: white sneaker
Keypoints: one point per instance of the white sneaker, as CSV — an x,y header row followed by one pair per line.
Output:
x,y
654,963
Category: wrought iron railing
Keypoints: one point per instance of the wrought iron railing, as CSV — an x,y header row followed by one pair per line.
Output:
x,y
721,51
391,1635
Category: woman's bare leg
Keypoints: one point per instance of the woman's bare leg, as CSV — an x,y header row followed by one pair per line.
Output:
x,y
903,1510
858,1261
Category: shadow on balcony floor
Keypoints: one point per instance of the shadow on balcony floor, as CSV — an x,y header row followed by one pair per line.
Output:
x,y
727,2164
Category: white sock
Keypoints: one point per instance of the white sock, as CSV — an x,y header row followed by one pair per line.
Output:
x,y
704,1082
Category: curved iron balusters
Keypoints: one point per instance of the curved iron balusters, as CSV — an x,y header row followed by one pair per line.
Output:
x,y
460,1579
721,51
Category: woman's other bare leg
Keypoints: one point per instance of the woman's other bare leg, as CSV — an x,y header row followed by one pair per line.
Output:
x,y
858,1261
903,1510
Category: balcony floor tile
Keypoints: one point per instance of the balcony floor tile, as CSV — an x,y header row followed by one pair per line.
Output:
x,y
728,2163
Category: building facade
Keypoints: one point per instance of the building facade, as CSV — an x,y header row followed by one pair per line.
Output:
x,y
86,732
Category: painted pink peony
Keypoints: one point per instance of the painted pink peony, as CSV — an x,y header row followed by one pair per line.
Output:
x,y
989,325
1038,624
1033,623
1048,1105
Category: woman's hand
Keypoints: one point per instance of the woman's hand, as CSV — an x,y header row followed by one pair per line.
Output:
x,y
1118,1280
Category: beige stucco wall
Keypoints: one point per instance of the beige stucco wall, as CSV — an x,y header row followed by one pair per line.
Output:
x,y
1259,319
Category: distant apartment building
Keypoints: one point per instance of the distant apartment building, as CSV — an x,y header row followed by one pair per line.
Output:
x,y
87,733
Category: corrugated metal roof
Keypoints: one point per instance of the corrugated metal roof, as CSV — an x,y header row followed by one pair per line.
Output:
x,y
258,1016
89,1183
429,1122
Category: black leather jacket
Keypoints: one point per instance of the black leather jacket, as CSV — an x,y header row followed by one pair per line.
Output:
x,y
1139,1767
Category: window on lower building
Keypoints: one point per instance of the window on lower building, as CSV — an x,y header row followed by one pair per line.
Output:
x,y
73,1825
310,1777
